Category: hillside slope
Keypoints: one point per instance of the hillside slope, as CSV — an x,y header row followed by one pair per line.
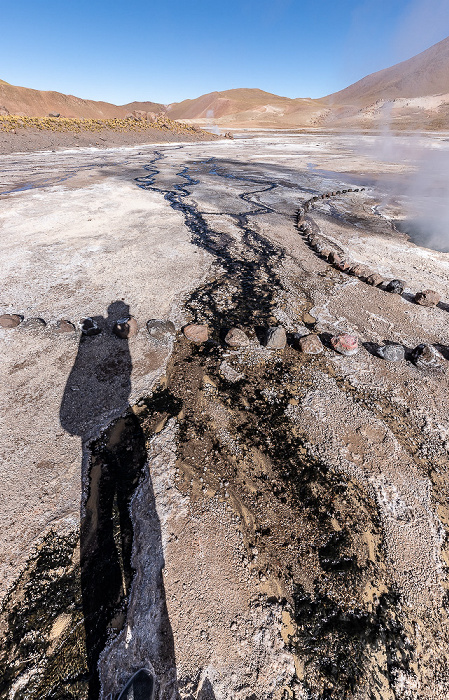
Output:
x,y
247,107
424,74
38,103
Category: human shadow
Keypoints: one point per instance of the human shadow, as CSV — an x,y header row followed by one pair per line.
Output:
x,y
95,406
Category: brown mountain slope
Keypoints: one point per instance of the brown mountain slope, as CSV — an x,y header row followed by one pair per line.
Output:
x,y
226,102
424,74
247,107
38,103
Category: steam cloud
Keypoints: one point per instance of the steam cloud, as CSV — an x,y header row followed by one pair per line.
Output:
x,y
425,191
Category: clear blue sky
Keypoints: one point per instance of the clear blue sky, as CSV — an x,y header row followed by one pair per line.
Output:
x,y
170,50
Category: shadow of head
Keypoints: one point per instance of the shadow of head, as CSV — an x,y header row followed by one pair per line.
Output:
x,y
117,311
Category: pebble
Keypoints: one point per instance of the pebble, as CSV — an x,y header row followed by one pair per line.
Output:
x,y
427,298
427,357
236,338
196,333
357,270
311,344
64,326
343,265
276,338
335,258
125,327
391,353
10,320
375,280
90,327
161,330
345,344
395,286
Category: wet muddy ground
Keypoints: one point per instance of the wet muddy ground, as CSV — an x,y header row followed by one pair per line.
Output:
x,y
254,523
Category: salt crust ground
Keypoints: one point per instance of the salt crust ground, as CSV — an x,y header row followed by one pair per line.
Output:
x,y
119,242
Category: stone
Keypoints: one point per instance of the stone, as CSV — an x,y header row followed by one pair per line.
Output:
x,y
318,247
131,117
343,265
125,327
64,326
90,327
395,286
4,112
236,338
197,333
427,357
276,338
374,279
325,252
345,343
151,117
54,114
391,353
335,258
33,324
10,320
427,298
161,331
357,270
310,344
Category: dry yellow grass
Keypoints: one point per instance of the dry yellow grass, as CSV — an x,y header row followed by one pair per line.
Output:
x,y
63,124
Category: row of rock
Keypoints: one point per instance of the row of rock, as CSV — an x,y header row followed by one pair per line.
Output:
x,y
276,339
427,297
308,204
424,356
122,328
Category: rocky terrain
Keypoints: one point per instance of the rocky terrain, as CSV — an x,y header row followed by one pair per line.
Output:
x,y
224,429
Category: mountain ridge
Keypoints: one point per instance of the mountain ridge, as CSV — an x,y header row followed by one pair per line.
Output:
x,y
406,91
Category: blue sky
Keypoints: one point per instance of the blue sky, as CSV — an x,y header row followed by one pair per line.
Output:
x,y
169,51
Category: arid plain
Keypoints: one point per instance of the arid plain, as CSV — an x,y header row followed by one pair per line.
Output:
x,y
288,511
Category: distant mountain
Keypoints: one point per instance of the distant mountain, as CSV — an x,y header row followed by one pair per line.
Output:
x,y
246,106
38,103
424,74
413,94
